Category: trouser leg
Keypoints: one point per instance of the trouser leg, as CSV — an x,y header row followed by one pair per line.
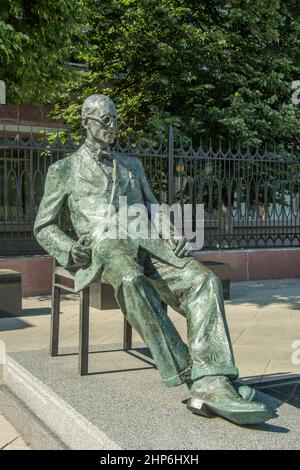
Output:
x,y
199,297
141,305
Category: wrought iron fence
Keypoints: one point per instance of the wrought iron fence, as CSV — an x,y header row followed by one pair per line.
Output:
x,y
24,161
251,198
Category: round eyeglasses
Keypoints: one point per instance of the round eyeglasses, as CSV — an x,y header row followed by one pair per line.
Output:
x,y
105,120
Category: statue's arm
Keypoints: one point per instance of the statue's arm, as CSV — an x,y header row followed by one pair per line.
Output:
x,y
46,228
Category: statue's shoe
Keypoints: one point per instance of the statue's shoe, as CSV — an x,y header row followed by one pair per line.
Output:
x,y
217,396
246,392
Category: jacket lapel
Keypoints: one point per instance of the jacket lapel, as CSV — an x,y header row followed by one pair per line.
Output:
x,y
91,172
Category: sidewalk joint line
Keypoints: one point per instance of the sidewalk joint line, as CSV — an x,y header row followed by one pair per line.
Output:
x,y
5,445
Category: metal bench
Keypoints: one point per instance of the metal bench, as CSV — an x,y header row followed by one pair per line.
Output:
x,y
222,270
64,280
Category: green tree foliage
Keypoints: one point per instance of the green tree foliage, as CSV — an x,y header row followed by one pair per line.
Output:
x,y
35,38
217,68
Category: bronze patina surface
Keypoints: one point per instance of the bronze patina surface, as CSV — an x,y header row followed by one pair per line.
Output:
x,y
143,271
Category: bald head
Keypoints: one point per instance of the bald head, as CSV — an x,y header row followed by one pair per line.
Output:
x,y
95,104
100,119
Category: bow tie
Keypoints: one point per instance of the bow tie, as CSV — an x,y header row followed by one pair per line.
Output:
x,y
103,155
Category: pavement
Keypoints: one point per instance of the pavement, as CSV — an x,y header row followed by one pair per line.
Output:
x,y
10,439
263,319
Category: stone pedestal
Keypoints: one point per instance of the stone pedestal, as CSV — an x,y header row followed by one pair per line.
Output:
x,y
122,404
10,292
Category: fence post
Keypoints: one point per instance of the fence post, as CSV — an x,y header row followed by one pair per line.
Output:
x,y
170,164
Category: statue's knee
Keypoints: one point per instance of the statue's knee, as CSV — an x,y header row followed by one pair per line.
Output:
x,y
214,279
207,276
199,271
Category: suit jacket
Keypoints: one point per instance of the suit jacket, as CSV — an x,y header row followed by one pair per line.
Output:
x,y
80,183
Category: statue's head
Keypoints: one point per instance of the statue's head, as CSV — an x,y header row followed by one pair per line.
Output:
x,y
100,119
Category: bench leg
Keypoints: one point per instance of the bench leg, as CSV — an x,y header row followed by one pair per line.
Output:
x,y
55,308
83,358
127,336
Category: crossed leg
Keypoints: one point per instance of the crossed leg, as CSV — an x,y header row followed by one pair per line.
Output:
x,y
195,292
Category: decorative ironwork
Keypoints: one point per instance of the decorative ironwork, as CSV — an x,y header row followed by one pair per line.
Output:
x,y
24,160
251,198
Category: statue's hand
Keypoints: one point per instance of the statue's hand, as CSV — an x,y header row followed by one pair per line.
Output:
x,y
80,253
180,247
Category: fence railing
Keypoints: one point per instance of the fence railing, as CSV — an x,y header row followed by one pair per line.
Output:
x,y
251,198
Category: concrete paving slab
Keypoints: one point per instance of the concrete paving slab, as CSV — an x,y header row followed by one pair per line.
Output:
x,y
18,444
31,430
10,438
7,432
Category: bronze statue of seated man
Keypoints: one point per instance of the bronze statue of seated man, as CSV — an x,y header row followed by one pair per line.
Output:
x,y
143,272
